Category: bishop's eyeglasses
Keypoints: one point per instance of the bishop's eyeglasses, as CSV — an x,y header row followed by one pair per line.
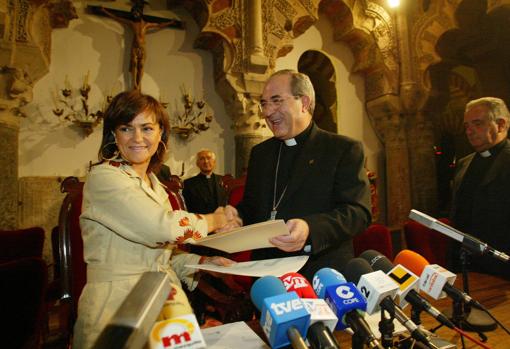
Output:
x,y
275,102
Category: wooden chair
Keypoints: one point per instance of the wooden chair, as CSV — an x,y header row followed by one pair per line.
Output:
x,y
71,274
174,189
234,187
17,244
375,237
22,301
23,284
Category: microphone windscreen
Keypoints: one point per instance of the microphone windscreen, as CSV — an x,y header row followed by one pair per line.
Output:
x,y
377,260
177,304
265,287
412,261
355,268
326,277
299,284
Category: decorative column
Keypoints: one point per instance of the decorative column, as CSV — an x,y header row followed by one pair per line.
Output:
x,y
246,37
420,133
24,58
390,124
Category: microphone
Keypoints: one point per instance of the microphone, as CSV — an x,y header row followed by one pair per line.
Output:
x,y
415,262
299,284
178,327
322,318
283,316
131,324
435,279
374,285
356,269
347,303
468,241
408,284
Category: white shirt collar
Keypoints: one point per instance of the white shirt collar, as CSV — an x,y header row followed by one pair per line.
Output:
x,y
290,142
485,154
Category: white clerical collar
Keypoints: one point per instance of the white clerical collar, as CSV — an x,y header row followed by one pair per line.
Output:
x,y
485,154
290,142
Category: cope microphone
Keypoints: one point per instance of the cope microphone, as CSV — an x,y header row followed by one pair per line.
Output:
x,y
283,316
322,318
347,303
408,284
435,279
358,270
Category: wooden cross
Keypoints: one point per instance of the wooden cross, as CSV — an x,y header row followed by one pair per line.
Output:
x,y
140,24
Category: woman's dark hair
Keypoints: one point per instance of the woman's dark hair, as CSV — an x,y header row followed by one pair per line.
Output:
x,y
123,108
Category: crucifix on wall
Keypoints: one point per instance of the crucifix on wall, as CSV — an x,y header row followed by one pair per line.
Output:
x,y
140,25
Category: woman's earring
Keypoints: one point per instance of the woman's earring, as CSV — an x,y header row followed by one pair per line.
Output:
x,y
115,153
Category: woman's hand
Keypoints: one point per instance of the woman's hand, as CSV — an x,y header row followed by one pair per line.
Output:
x,y
223,219
217,260
233,219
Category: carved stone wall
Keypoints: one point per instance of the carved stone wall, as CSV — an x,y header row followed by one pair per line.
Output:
x,y
39,204
9,166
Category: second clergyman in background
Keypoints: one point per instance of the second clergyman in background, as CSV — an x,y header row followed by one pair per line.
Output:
x,y
204,192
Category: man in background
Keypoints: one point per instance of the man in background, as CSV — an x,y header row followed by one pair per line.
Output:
x,y
312,179
481,204
204,192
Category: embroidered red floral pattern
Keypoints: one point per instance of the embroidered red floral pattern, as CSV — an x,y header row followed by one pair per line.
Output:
x,y
188,233
184,222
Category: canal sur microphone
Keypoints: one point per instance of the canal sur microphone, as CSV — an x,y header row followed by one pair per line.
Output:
x,y
435,279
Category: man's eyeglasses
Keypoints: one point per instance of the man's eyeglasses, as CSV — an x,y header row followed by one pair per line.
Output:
x,y
275,102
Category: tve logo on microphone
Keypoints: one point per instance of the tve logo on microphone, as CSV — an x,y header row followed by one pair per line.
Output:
x,y
281,312
287,306
179,332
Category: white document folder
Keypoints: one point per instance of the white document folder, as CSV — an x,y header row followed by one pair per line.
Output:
x,y
245,238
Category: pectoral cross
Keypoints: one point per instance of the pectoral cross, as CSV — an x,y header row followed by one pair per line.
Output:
x,y
140,24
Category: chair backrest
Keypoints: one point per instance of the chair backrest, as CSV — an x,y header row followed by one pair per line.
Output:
x,y
174,189
73,269
21,243
431,244
375,237
22,302
234,187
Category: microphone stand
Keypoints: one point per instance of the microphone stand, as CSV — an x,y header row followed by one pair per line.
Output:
x,y
463,315
386,328
357,341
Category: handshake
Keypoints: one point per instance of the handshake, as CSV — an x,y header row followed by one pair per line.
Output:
x,y
224,219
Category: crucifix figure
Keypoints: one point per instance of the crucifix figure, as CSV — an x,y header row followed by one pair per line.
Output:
x,y
140,24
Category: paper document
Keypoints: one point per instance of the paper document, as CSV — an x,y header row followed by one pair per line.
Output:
x,y
275,267
232,336
245,238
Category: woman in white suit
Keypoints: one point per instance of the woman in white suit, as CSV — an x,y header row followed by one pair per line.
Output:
x,y
127,223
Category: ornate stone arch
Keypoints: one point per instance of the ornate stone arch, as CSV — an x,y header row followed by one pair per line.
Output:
x,y
321,71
